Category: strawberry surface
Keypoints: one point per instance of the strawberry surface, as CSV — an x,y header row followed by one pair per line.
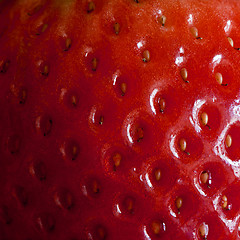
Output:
x,y
120,119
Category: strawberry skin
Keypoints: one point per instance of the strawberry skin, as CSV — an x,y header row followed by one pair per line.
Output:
x,y
120,119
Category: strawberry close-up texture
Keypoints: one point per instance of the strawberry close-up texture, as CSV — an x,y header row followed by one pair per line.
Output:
x,y
119,119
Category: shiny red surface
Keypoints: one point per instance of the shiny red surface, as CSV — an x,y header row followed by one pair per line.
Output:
x,y
62,123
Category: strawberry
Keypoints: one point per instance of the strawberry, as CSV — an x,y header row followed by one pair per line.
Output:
x,y
120,119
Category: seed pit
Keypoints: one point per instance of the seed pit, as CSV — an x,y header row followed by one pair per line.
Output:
x,y
72,150
123,88
116,28
128,205
4,66
228,141
64,199
94,64
117,158
204,120
184,74
42,29
183,145
45,70
4,215
225,204
146,56
46,126
162,20
74,100
230,41
157,174
162,104
205,178
34,10
101,119
68,44
22,96
91,7
179,203
101,233
21,195
139,134
14,144
194,32
45,222
158,227
39,170
219,79
203,231
95,187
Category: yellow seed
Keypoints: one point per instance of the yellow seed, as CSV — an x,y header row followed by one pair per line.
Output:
x,y
74,100
179,202
162,104
157,174
156,227
224,201
203,231
184,74
204,177
228,141
146,56
204,118
219,78
45,70
230,41
68,43
94,64
194,32
183,144
116,28
162,20
117,159
91,7
123,87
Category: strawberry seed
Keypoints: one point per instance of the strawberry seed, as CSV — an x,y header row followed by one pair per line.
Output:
x,y
157,174
184,74
91,7
183,145
68,44
123,87
117,158
146,56
162,104
228,141
94,64
162,20
203,231
230,41
179,202
116,28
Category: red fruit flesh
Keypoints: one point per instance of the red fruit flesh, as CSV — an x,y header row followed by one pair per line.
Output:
x,y
119,119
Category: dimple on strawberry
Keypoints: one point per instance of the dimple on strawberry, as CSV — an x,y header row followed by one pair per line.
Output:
x,y
119,119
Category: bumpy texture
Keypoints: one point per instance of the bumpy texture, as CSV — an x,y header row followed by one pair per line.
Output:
x,y
119,119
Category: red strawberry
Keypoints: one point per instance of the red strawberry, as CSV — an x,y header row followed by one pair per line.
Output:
x,y
120,119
